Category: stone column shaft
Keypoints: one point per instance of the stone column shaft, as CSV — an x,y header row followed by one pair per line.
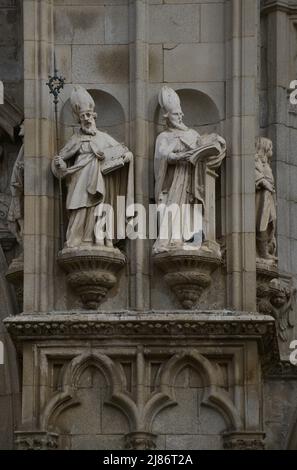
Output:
x,y
241,67
139,70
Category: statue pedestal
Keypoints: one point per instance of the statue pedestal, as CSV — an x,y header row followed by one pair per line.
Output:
x,y
91,272
188,272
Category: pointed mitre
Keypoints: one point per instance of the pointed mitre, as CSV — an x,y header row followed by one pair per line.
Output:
x,y
169,100
81,101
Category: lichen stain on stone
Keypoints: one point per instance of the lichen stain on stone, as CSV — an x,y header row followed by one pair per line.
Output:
x,y
82,21
114,63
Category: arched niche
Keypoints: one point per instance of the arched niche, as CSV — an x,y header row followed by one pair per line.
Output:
x,y
89,409
11,117
110,117
92,423
201,112
192,423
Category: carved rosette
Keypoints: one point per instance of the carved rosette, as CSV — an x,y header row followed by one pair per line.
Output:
x,y
188,273
140,441
244,441
36,440
92,272
15,275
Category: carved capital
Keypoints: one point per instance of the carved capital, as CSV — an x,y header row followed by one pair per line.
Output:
x,y
140,441
244,441
36,440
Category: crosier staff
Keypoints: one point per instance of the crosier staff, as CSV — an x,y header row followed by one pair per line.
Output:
x,y
55,84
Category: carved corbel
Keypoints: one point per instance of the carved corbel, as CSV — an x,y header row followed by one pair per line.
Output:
x,y
91,272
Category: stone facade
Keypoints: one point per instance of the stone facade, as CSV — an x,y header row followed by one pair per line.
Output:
x,y
118,364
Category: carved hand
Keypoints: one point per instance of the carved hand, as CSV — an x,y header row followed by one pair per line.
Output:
x,y
59,162
100,156
128,157
268,186
176,157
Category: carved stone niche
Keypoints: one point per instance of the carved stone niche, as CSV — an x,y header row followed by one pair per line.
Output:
x,y
15,276
91,272
188,273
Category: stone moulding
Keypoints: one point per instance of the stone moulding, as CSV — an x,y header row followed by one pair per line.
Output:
x,y
188,273
150,325
91,272
277,5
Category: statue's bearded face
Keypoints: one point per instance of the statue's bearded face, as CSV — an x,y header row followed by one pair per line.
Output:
x,y
87,122
176,120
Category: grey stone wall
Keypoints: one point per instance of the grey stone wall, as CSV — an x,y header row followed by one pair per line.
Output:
x,y
11,49
232,76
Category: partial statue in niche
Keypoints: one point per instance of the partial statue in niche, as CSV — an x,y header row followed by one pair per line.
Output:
x,y
185,164
15,215
265,202
97,169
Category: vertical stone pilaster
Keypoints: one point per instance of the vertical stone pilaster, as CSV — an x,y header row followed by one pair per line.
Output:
x,y
39,192
241,68
139,77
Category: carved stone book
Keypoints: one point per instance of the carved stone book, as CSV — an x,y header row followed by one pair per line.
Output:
x,y
208,150
113,158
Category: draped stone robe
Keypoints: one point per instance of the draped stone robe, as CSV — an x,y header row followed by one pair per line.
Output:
x,y
86,185
265,200
15,215
182,182
177,182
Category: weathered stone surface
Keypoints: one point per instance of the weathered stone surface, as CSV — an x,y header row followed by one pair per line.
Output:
x,y
232,72
168,23
191,63
100,64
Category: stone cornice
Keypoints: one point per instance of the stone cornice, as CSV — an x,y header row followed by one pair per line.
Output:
x,y
145,324
278,5
150,325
